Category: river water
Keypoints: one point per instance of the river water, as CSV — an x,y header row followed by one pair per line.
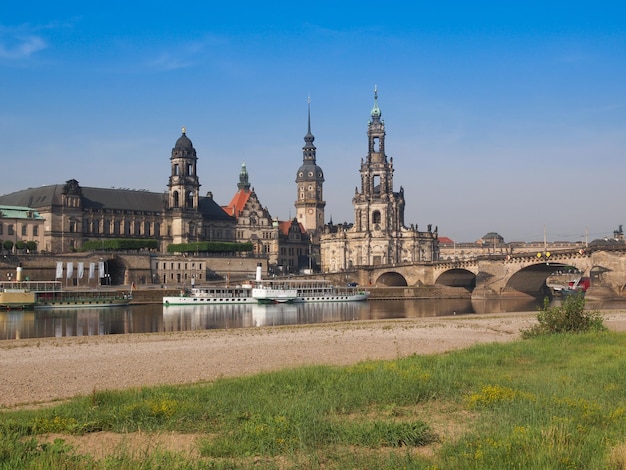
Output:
x,y
154,318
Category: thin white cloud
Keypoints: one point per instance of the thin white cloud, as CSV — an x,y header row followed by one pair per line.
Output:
x,y
187,54
18,47
24,41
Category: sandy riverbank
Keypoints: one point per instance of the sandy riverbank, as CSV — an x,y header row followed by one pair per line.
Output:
x,y
45,370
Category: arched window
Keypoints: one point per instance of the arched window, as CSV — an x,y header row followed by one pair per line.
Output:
x,y
376,184
376,217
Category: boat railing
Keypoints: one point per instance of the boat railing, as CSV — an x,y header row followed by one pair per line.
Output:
x,y
34,286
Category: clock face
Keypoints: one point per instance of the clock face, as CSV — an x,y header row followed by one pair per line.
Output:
x,y
310,211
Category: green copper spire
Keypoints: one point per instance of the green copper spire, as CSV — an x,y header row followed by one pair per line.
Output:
x,y
376,110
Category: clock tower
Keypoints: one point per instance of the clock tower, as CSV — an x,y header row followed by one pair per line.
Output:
x,y
310,178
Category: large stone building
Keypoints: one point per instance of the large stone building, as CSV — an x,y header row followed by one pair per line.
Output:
x,y
378,234
74,214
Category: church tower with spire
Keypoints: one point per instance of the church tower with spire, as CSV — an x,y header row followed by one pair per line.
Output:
x,y
378,235
377,208
310,178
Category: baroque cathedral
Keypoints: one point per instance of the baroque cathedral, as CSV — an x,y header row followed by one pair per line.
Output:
x,y
378,234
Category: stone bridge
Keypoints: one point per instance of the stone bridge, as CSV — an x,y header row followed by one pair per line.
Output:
x,y
521,274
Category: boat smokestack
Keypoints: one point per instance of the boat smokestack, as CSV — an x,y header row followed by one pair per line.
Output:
x,y
259,272
18,274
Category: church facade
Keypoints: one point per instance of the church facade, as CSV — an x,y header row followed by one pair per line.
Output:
x,y
378,234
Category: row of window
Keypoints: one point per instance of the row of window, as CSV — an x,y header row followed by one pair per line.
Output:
x,y
178,266
117,227
284,251
10,229
141,228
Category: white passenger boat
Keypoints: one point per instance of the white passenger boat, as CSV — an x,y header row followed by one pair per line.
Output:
x,y
324,291
210,295
305,291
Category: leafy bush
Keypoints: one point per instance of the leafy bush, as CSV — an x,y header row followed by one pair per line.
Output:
x,y
120,244
568,317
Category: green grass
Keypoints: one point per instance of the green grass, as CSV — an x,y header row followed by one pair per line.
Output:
x,y
551,402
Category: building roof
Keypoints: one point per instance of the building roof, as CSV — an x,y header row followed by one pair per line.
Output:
x,y
105,198
19,212
237,203
285,225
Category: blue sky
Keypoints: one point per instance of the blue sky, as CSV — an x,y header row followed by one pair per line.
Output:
x,y
500,116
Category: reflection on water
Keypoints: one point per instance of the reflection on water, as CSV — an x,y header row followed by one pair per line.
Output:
x,y
156,318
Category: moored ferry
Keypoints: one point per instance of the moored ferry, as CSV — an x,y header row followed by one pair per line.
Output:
x,y
50,294
324,291
209,295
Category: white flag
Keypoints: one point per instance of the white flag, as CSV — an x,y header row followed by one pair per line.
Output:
x,y
81,270
59,270
100,269
92,270
70,269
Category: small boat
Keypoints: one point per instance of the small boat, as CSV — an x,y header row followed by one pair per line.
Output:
x,y
576,285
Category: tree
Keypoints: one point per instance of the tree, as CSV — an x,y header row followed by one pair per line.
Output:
x,y
8,245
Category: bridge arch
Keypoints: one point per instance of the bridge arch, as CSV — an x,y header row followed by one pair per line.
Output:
x,y
531,279
457,277
391,279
